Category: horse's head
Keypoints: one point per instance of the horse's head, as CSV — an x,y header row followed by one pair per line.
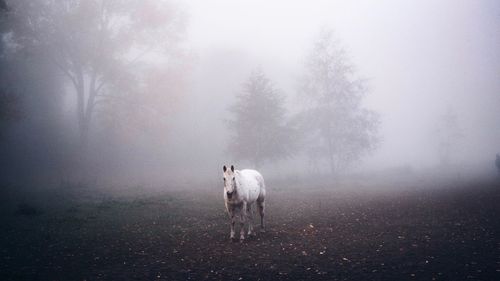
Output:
x,y
229,181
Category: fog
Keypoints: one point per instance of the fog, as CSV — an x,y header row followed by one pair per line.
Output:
x,y
167,75
333,140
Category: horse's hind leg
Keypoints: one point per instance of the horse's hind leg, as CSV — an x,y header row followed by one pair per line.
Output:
x,y
261,205
250,219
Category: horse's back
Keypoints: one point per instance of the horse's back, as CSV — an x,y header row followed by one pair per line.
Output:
x,y
254,182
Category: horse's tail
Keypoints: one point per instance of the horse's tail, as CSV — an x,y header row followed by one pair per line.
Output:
x,y
262,182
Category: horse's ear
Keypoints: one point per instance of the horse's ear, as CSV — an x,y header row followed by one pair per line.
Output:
x,y
224,168
232,168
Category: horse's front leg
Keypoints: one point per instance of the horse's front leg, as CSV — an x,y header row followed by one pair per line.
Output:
x,y
243,215
233,221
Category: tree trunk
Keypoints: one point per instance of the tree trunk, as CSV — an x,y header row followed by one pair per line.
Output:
x,y
84,135
85,108
80,105
88,112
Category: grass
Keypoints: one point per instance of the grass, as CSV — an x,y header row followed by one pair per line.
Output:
x,y
314,233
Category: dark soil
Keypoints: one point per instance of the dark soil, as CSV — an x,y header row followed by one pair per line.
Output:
x,y
313,234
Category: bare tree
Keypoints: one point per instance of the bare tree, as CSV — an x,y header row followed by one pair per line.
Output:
x,y
259,128
100,46
336,127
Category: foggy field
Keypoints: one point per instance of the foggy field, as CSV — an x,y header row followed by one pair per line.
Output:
x,y
324,232
135,134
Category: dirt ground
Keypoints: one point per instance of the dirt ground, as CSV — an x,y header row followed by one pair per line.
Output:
x,y
313,233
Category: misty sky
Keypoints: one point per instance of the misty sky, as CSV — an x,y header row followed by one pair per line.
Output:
x,y
421,57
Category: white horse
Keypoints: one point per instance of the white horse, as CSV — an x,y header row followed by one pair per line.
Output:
x,y
241,190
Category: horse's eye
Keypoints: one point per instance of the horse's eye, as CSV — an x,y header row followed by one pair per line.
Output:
x,y
233,178
224,179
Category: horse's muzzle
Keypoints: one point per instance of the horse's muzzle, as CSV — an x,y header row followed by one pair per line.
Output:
x,y
229,194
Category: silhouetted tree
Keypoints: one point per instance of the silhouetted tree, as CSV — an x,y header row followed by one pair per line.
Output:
x,y
34,134
336,127
259,129
101,47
